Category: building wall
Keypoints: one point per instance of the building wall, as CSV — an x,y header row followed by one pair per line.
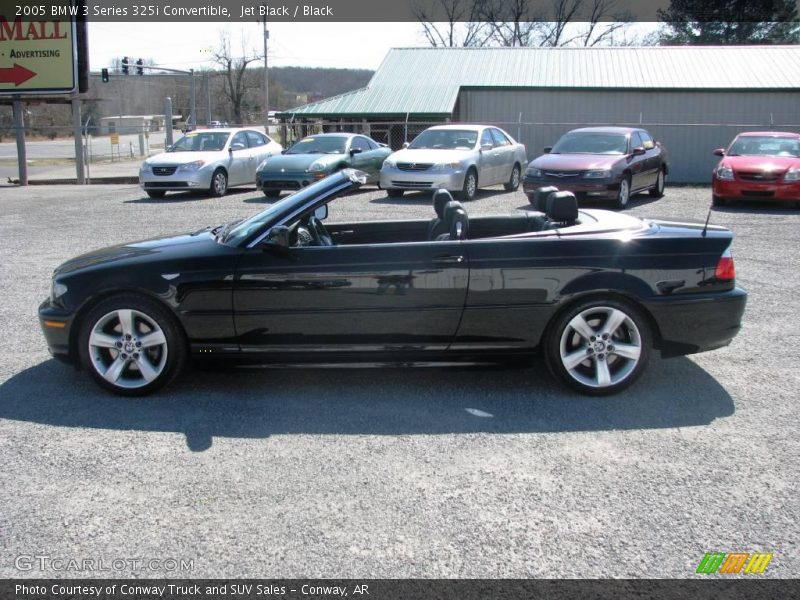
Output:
x,y
689,124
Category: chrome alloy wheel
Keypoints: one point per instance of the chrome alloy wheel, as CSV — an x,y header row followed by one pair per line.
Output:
x,y
127,348
600,347
624,193
220,183
471,187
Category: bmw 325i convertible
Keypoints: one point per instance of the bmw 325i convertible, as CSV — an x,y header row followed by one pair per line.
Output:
x,y
593,291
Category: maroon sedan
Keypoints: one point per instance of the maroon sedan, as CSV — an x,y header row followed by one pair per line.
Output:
x,y
758,165
604,163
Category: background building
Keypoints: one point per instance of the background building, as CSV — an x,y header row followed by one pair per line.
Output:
x,y
693,99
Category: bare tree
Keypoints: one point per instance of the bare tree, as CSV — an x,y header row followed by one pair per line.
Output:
x,y
462,27
512,22
236,83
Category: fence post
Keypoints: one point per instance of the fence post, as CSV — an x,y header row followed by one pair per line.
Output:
x,y
77,130
167,122
22,156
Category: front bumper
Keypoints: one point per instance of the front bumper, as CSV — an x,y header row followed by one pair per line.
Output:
x,y
56,324
177,181
698,322
753,190
293,180
395,179
602,189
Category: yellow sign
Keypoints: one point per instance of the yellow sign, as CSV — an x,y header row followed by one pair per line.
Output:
x,y
115,139
37,57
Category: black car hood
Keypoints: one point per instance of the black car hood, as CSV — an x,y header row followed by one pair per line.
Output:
x,y
168,247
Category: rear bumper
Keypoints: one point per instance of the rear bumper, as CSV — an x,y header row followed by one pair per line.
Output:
x,y
751,190
56,324
698,323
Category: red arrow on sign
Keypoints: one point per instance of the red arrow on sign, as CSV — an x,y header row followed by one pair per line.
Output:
x,y
16,75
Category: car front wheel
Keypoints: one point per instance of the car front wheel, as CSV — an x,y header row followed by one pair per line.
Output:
x,y
470,185
272,193
599,347
156,194
624,192
393,193
219,183
657,191
131,345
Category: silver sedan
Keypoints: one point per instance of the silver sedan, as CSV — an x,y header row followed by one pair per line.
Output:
x,y
210,160
459,158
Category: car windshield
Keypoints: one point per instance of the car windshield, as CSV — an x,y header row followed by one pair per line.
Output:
x,y
765,146
319,145
591,143
200,142
445,139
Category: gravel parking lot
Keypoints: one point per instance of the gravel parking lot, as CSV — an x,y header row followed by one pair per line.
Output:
x,y
395,473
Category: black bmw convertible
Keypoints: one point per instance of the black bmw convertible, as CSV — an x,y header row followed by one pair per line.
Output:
x,y
593,291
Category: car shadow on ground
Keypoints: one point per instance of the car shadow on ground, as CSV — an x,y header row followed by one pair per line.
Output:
x,y
173,197
257,403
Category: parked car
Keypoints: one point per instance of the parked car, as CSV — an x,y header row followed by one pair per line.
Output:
x,y
758,165
317,156
602,163
595,290
207,159
459,158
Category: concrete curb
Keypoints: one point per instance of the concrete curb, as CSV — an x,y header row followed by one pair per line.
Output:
x,y
94,181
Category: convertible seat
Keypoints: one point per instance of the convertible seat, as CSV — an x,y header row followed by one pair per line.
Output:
x,y
437,226
452,212
540,197
562,210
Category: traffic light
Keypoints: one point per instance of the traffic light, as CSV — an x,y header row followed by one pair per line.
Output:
x,y
140,67
125,65
104,75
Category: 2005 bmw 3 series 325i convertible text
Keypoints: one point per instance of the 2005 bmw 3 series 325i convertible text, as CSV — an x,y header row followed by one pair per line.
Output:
x,y
593,291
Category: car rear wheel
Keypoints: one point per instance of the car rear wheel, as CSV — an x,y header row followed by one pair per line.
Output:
x,y
624,193
393,193
157,194
657,191
513,182
219,183
599,347
131,345
470,185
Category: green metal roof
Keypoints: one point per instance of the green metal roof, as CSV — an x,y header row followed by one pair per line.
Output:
x,y
426,81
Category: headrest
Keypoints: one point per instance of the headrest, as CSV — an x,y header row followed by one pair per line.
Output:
x,y
449,210
459,227
540,196
440,199
562,207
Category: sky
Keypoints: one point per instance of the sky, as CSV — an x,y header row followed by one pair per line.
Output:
x,y
188,45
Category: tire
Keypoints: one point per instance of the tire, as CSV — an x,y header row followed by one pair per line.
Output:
x,y
624,193
394,193
657,191
219,183
470,188
272,193
156,194
513,182
718,200
604,370
136,362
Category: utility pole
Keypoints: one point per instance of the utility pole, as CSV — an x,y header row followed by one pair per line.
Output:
x,y
192,100
266,79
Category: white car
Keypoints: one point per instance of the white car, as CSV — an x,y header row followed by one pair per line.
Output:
x,y
207,159
459,158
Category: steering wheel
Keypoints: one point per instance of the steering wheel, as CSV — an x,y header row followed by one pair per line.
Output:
x,y
319,233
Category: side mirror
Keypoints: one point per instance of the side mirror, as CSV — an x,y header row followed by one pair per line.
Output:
x,y
486,147
719,152
236,146
548,149
639,151
278,236
321,212
405,144
355,151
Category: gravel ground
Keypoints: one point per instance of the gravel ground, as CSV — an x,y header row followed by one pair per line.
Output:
x,y
388,473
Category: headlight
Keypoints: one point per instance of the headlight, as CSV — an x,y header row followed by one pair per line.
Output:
x,y
316,166
390,163
792,175
725,173
192,166
145,168
533,172
597,174
57,290
445,166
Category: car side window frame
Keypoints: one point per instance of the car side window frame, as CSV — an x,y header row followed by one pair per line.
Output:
x,y
500,138
261,138
244,137
487,132
360,140
647,140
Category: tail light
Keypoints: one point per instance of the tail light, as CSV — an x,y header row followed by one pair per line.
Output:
x,y
725,269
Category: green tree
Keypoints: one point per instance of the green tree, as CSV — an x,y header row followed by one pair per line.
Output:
x,y
711,22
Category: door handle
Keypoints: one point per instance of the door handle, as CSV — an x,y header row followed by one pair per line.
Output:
x,y
448,259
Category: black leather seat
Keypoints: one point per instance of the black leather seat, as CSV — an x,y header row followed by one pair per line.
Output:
x,y
451,210
540,197
437,226
562,210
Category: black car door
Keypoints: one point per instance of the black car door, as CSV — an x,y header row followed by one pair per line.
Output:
x,y
399,296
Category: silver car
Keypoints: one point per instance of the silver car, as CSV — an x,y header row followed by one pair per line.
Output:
x,y
459,158
211,160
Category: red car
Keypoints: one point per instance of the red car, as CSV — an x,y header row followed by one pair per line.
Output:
x,y
758,165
